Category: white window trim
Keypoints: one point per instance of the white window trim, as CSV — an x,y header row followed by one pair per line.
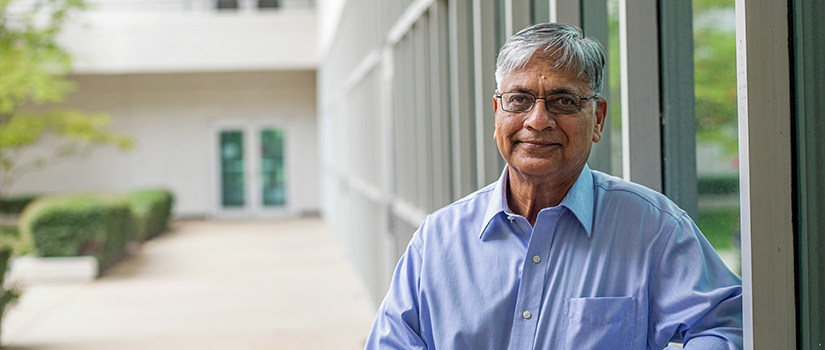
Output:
x,y
765,180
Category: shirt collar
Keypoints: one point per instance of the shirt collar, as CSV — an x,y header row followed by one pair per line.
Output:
x,y
579,200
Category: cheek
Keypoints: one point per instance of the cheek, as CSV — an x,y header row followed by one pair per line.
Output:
x,y
503,128
506,126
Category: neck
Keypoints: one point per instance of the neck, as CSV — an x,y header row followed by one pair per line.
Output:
x,y
527,196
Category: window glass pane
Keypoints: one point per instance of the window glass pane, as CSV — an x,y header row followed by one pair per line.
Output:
x,y
273,179
540,11
501,24
714,33
226,4
614,88
267,4
232,168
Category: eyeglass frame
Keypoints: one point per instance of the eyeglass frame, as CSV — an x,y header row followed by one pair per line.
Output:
x,y
501,100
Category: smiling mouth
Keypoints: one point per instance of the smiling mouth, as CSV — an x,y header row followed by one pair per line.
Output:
x,y
538,143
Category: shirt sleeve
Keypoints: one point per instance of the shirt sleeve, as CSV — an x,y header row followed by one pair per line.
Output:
x,y
397,324
695,298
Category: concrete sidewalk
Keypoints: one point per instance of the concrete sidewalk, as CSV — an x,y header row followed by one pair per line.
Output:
x,y
206,285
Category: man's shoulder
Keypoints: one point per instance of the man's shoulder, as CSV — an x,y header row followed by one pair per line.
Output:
x,y
632,196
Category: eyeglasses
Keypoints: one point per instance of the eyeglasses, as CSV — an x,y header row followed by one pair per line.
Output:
x,y
523,102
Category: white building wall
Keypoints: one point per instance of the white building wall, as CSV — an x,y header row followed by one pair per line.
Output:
x,y
173,118
202,41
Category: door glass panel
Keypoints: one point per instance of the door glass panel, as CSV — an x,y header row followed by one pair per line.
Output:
x,y
232,168
717,160
273,179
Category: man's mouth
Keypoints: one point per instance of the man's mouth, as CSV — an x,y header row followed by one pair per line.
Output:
x,y
538,143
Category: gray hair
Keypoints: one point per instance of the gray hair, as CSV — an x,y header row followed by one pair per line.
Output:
x,y
565,44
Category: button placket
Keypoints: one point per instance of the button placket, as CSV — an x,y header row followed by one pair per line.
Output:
x,y
533,277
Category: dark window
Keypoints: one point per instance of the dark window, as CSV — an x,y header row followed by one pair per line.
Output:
x,y
226,4
268,4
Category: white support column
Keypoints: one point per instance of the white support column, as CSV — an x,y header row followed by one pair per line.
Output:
x,y
461,91
440,104
387,241
484,51
765,174
423,113
641,123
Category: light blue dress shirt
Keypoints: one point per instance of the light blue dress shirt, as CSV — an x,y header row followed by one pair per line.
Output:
x,y
614,266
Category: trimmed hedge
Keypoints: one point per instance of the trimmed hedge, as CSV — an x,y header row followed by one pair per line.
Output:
x,y
718,184
151,209
15,205
76,225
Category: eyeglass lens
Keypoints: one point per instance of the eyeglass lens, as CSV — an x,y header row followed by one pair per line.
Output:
x,y
520,102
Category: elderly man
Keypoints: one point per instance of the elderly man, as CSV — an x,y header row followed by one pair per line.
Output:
x,y
554,255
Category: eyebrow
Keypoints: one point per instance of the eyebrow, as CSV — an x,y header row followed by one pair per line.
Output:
x,y
561,91
553,91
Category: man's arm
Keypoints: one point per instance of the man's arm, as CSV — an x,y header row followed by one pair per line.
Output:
x,y
695,299
397,324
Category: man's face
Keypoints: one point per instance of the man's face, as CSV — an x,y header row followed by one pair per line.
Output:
x,y
539,144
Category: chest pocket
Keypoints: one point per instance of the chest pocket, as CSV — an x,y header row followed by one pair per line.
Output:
x,y
599,323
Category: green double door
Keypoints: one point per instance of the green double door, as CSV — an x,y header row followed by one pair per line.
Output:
x,y
252,170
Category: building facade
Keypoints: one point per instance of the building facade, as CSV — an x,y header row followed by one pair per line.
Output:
x,y
219,97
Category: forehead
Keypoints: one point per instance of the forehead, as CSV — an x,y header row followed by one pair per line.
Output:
x,y
540,75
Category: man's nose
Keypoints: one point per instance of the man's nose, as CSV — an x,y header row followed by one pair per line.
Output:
x,y
540,118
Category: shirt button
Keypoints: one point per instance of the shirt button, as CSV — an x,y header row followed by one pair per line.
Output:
x,y
536,259
527,315
510,217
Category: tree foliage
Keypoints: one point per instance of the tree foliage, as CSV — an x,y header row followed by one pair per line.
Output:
x,y
33,70
714,40
715,75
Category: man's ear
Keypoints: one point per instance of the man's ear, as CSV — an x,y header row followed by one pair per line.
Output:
x,y
495,110
601,114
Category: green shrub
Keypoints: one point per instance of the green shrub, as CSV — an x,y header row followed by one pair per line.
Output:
x,y
151,209
8,294
10,237
718,184
15,205
76,225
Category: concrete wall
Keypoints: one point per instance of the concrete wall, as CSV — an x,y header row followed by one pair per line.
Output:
x,y
174,119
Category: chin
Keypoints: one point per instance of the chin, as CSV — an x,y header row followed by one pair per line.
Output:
x,y
535,169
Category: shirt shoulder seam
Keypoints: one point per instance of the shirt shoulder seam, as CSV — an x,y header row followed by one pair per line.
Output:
x,y
675,216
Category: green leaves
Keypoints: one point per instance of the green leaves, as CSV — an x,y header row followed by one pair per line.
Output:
x,y
32,65
715,77
24,130
33,69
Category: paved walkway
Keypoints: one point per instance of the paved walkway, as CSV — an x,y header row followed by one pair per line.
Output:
x,y
206,285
